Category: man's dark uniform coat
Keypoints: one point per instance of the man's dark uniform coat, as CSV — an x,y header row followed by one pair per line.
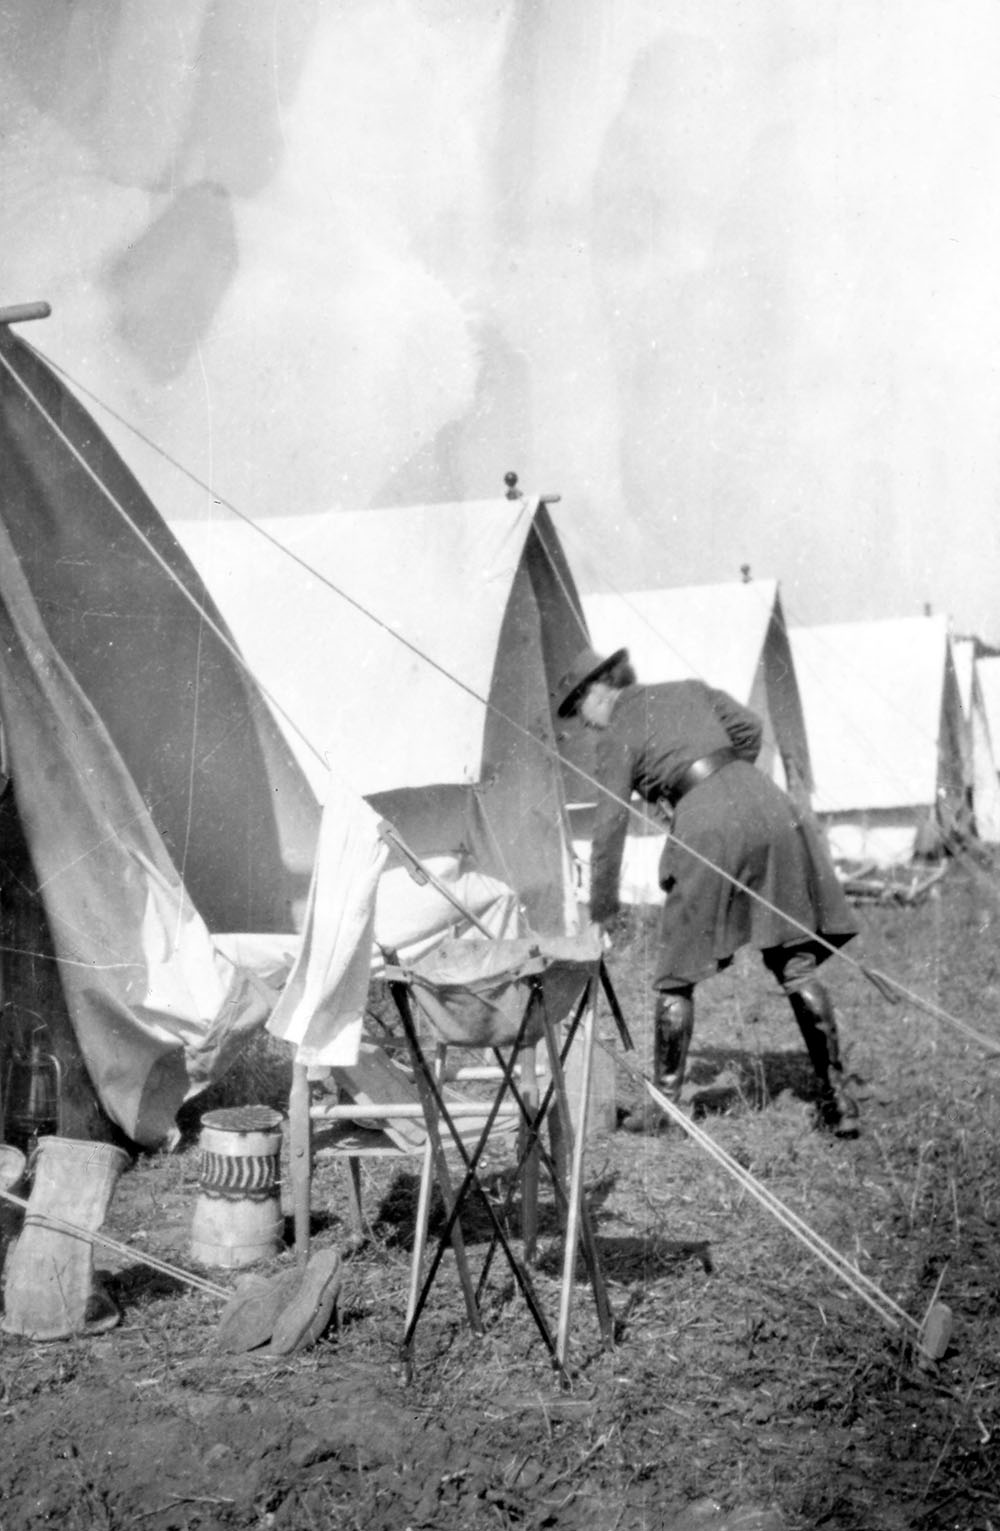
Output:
x,y
736,827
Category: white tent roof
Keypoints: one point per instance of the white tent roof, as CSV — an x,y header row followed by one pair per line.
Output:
x,y
875,698
414,652
983,767
714,632
988,675
963,653
731,635
360,636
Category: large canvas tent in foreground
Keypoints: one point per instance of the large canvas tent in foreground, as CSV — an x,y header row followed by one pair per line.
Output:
x,y
886,733
415,651
151,796
732,636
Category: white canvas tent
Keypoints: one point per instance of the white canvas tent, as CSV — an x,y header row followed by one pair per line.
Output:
x,y
414,651
988,676
984,782
886,733
731,635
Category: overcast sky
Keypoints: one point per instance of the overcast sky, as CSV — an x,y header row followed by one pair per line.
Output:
x,y
726,276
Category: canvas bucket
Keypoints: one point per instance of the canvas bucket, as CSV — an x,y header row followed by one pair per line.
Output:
x,y
237,1217
49,1289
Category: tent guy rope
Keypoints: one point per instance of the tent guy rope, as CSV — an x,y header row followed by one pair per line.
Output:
x,y
992,1046
62,1225
889,1312
930,1335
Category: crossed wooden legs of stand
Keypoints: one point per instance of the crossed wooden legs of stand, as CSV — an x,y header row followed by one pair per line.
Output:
x,y
554,1108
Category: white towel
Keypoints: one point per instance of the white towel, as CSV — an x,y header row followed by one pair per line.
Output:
x,y
322,1004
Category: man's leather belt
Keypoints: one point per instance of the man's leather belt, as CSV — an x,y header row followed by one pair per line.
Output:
x,y
699,771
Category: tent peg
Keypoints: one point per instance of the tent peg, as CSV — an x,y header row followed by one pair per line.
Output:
x,y
17,313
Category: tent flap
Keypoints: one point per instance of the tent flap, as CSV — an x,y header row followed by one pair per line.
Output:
x,y
136,962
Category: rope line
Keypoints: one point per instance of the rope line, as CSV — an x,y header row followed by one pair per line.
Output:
x,y
61,1225
276,543
415,649
192,600
888,1310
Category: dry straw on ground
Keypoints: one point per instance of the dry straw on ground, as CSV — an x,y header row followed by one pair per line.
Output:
x,y
743,1369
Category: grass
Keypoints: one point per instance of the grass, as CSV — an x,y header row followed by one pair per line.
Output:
x,y
743,1371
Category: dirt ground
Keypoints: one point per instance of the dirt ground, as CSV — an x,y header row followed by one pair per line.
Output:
x,y
744,1371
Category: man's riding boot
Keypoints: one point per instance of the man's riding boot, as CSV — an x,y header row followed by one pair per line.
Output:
x,y
673,1024
813,1010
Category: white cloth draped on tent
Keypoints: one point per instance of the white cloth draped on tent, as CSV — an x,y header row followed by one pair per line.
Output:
x,y
321,1005
154,1007
358,910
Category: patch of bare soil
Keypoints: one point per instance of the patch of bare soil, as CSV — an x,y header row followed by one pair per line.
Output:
x,y
744,1371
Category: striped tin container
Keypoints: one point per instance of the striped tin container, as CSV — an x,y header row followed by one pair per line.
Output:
x,y
237,1217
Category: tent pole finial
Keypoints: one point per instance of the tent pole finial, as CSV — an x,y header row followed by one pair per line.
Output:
x,y
17,313
513,493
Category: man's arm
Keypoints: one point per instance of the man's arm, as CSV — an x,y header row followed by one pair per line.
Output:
x,y
614,776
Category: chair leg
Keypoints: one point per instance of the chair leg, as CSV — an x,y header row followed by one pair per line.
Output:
x,y
575,1192
300,1158
420,1222
529,1172
435,1168
578,1226
357,1213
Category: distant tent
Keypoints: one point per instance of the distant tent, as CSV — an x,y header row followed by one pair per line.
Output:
x,y
988,676
983,763
415,649
731,635
150,795
886,734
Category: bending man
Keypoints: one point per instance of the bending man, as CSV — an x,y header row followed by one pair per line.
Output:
x,y
687,746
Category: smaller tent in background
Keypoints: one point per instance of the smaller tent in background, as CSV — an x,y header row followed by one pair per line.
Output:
x,y
988,675
733,636
984,781
414,650
887,735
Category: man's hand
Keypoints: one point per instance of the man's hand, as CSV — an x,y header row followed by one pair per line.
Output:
x,y
611,931
599,932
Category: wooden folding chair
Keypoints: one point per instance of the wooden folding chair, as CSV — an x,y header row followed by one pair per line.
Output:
x,y
370,1110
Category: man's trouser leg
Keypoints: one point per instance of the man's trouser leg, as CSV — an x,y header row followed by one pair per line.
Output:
x,y
673,1024
795,970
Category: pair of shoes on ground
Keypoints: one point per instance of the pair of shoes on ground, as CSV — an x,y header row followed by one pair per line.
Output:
x,y
278,1315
